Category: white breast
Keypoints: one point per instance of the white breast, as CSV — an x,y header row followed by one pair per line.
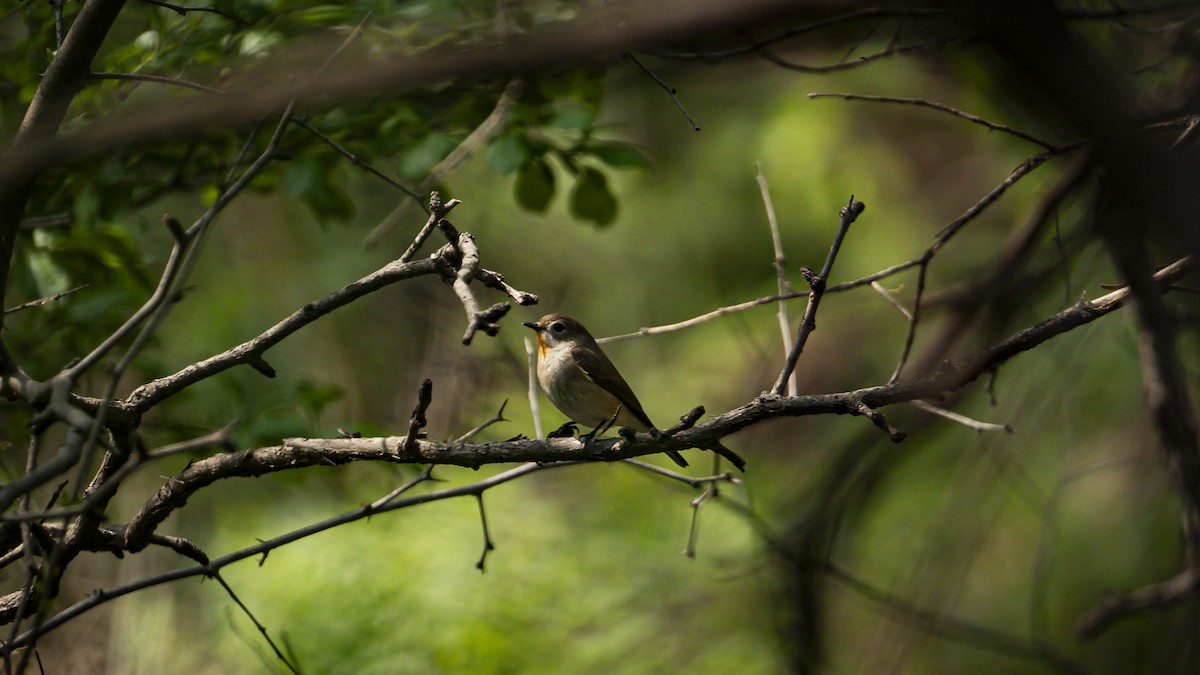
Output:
x,y
570,389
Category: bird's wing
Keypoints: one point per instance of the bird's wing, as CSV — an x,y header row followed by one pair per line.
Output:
x,y
601,370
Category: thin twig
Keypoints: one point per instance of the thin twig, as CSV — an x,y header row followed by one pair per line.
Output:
x,y
710,492
891,300
665,87
488,544
148,395
417,421
46,300
920,102
784,284
850,17
220,438
158,298
724,476
157,79
531,357
437,211
257,624
100,597
947,232
846,216
937,623
183,10
974,425
488,129
426,474
889,51
697,320
914,319
494,419
357,161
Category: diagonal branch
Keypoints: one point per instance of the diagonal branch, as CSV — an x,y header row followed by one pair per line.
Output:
x,y
920,102
250,352
848,215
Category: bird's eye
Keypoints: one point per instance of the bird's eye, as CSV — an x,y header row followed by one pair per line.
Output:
x,y
558,327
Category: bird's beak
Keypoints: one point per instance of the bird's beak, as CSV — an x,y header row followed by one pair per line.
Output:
x,y
533,325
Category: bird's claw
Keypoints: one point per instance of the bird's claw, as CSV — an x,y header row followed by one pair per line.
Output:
x,y
567,430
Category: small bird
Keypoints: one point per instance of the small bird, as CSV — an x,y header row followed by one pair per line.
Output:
x,y
581,381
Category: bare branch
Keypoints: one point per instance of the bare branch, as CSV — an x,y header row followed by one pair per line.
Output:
x,y
889,51
46,300
878,288
967,422
417,421
299,452
959,630
102,596
494,419
920,102
488,129
665,87
695,321
356,160
183,10
847,215
1116,606
437,211
784,285
488,544
257,624
157,79
849,17
531,357
148,395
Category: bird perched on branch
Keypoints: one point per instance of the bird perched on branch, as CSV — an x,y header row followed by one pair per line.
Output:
x,y
581,381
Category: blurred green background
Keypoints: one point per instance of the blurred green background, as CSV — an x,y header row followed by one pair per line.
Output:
x,y
1014,533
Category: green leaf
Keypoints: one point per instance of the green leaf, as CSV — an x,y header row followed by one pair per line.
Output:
x,y
583,85
87,204
315,397
592,200
48,276
423,156
330,202
209,195
508,153
570,116
325,15
535,186
621,155
303,175
259,42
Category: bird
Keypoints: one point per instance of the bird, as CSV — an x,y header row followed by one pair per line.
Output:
x,y
582,382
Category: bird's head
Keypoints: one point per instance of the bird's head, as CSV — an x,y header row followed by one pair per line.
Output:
x,y
558,330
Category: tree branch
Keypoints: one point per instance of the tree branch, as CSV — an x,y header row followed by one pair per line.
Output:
x,y
302,452
151,394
